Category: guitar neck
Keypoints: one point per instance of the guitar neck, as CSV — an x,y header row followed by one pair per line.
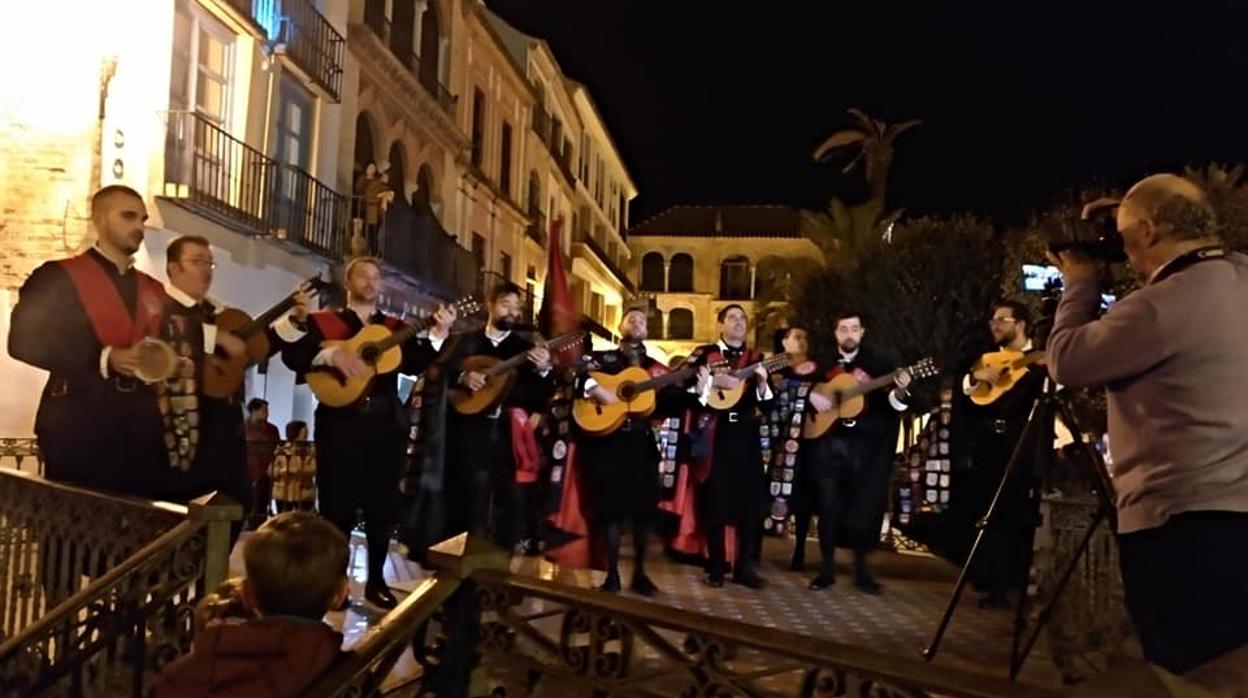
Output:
x,y
397,338
556,344
664,380
770,364
266,318
871,385
1028,359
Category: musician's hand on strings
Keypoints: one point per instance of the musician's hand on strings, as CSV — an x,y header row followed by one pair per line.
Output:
x,y
820,402
760,372
231,344
988,374
302,305
603,396
704,377
472,380
443,318
902,380
540,358
351,365
725,381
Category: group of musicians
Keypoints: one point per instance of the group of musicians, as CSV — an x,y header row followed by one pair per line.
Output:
x,y
104,424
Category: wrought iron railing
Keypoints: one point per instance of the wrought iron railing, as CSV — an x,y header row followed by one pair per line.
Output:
x,y
541,125
606,259
215,173
313,44
430,81
474,617
415,243
96,591
308,212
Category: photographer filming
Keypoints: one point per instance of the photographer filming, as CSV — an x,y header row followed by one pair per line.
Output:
x,y
1173,357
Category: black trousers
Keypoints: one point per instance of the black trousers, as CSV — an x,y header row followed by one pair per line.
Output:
x,y
359,460
481,494
1186,585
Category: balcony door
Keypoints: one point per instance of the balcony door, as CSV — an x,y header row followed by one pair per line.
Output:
x,y
293,132
200,151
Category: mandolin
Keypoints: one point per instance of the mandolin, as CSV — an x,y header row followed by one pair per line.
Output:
x,y
1015,364
380,348
223,374
500,375
848,396
727,398
635,388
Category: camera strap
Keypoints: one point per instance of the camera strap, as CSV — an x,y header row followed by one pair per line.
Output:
x,y
1187,259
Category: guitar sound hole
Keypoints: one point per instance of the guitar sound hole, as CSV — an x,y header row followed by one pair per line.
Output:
x,y
627,391
369,353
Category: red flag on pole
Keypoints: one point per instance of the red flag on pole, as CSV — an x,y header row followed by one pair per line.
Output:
x,y
558,314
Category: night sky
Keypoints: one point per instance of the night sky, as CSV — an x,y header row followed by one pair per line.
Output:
x,y
714,102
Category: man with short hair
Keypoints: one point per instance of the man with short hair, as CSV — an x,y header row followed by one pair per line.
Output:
x,y
360,447
992,438
80,319
262,442
1171,357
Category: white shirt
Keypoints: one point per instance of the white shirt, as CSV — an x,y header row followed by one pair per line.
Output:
x,y
762,390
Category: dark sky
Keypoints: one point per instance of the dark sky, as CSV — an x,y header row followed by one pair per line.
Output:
x,y
716,102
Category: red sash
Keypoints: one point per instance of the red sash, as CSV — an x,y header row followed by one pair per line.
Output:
x,y
524,446
333,327
110,319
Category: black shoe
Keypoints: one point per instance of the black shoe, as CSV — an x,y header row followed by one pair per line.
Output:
x,y
643,586
714,581
822,581
611,584
868,585
379,595
750,579
798,563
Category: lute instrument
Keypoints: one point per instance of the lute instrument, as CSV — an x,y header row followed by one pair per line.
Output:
x,y
848,396
223,374
1015,364
500,376
727,398
379,348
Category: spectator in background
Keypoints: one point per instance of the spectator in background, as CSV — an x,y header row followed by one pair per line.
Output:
x,y
262,440
293,473
296,572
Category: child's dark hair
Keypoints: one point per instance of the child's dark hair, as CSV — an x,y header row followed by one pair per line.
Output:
x,y
296,563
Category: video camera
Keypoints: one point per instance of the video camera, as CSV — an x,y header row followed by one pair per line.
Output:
x,y
1096,236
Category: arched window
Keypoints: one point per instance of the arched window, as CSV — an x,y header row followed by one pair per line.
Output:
x,y
396,174
422,198
365,151
430,47
680,276
680,324
654,322
734,279
652,272
402,31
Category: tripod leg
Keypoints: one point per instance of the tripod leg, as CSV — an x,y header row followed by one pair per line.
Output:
x,y
1011,466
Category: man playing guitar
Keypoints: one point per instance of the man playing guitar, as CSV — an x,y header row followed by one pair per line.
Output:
x,y
995,429
360,447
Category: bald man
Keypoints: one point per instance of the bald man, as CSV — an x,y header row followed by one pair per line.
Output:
x,y
1173,358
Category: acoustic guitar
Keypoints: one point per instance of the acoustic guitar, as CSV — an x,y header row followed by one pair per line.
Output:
x,y
848,396
380,349
223,374
727,398
1015,364
500,376
635,388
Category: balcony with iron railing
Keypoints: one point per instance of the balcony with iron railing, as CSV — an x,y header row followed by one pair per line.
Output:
x,y
312,44
584,237
214,174
560,150
415,243
426,71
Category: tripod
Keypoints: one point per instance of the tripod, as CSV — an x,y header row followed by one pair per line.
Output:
x,y
1037,434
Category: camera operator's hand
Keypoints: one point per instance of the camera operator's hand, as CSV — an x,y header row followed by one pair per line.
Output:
x,y
1074,265
1093,206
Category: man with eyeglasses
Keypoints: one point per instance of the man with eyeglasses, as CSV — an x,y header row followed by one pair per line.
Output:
x,y
204,436
994,430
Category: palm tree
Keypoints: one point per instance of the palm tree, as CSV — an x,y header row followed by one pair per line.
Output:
x,y
873,140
